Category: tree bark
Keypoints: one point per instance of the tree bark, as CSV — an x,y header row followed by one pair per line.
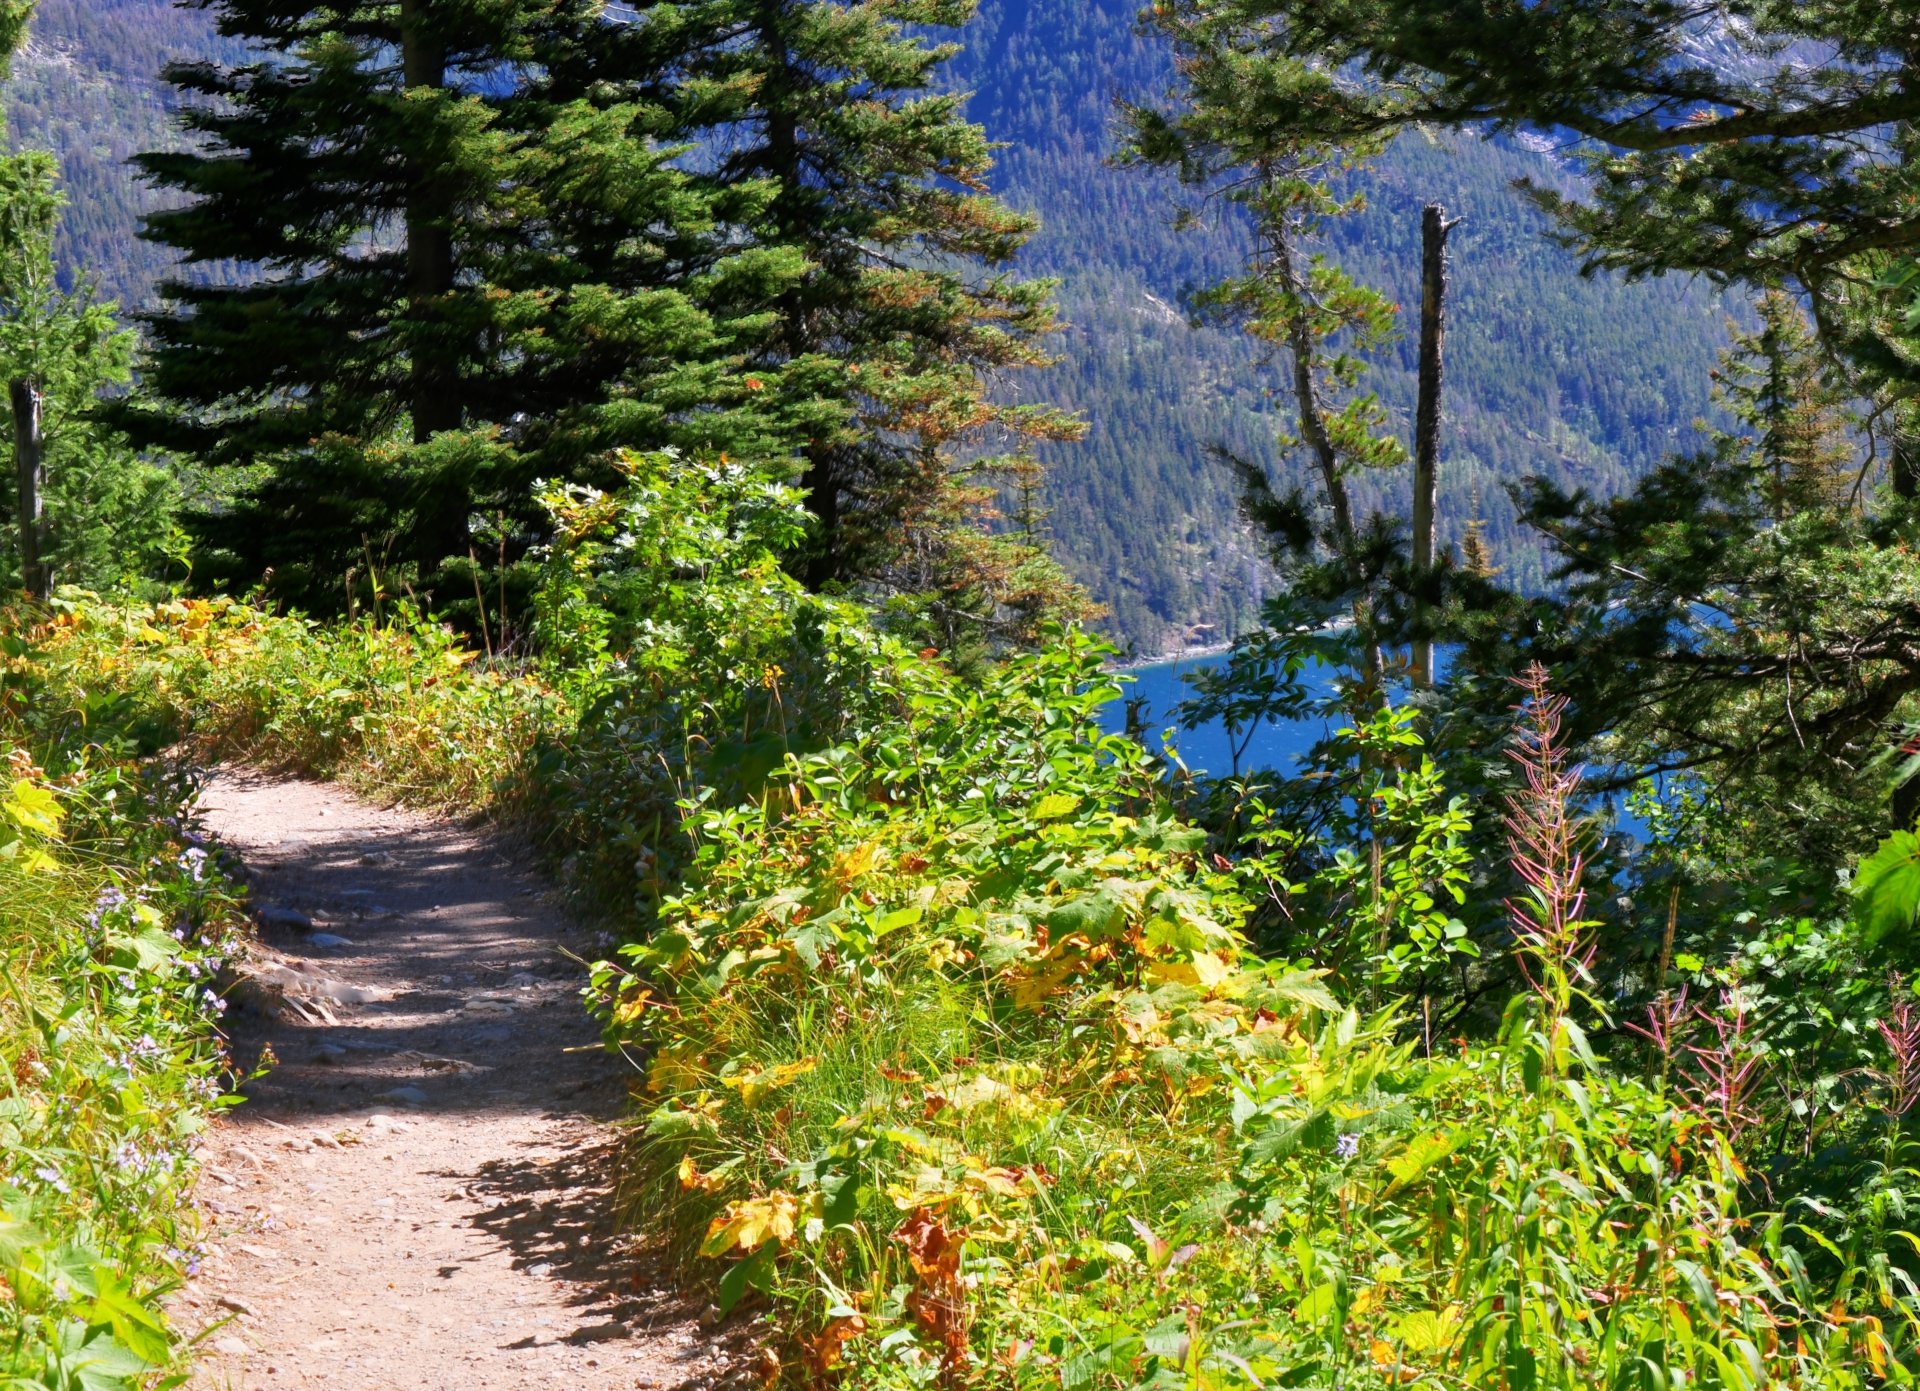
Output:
x,y
441,516
1305,350
1904,470
29,460
822,478
29,455
1426,438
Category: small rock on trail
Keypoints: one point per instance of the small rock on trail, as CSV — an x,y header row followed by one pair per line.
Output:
x,y
418,1194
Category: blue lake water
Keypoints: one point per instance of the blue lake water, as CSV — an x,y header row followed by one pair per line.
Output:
x,y
1208,749
1276,746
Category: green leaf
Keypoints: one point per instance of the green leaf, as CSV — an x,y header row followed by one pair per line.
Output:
x,y
1095,916
1055,805
1317,1305
1418,1157
753,1273
1886,888
135,1326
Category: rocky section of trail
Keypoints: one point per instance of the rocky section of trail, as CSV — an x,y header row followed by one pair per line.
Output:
x,y
417,1194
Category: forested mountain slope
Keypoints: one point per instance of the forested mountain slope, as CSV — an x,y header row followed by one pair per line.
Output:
x,y
87,86
1586,380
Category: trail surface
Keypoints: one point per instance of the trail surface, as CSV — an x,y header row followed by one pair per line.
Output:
x,y
417,1194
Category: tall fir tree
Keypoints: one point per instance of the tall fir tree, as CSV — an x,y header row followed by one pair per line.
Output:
x,y
891,345
1706,621
1323,326
89,510
1800,432
475,267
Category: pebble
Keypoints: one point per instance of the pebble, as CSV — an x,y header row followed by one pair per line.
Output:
x,y
327,939
231,1345
277,915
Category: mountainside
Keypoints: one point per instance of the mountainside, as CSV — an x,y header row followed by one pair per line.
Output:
x,y
1586,380
87,86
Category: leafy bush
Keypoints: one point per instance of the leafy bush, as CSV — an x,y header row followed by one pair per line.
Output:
x,y
958,1062
956,1056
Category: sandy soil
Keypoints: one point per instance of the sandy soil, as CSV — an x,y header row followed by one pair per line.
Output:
x,y
417,1195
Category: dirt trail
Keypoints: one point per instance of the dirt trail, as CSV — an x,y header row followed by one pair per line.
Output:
x,y
416,1195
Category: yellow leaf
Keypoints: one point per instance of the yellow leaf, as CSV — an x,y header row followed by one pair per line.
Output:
x,y
1210,969
1005,1183
632,1006
1431,1331
1876,1348
756,1086
1387,1363
751,1224
854,864
33,808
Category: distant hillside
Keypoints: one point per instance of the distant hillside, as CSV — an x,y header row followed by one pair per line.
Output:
x,y
1592,381
87,87
1589,380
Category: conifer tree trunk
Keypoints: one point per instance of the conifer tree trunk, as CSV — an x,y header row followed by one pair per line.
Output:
x,y
435,401
1904,469
29,454
821,478
1314,433
1426,440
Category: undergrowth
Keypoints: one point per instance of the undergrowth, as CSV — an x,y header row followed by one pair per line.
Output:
x,y
115,922
958,1067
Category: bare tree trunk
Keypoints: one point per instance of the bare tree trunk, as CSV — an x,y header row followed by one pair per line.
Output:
x,y
441,524
1426,437
1904,470
29,455
1904,474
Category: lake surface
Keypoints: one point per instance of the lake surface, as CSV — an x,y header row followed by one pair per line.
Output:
x,y
1276,746
1208,750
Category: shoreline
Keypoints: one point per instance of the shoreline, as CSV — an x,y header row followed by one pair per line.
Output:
x,y
1167,659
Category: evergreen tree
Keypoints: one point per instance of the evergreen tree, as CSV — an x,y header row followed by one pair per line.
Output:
x,y
1775,381
107,512
1325,326
1756,142
476,267
888,344
1709,621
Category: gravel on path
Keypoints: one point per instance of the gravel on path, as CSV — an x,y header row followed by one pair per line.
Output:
x,y
418,1194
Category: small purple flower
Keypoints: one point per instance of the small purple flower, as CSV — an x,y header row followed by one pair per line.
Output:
x,y
51,1177
194,862
111,900
1347,1146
